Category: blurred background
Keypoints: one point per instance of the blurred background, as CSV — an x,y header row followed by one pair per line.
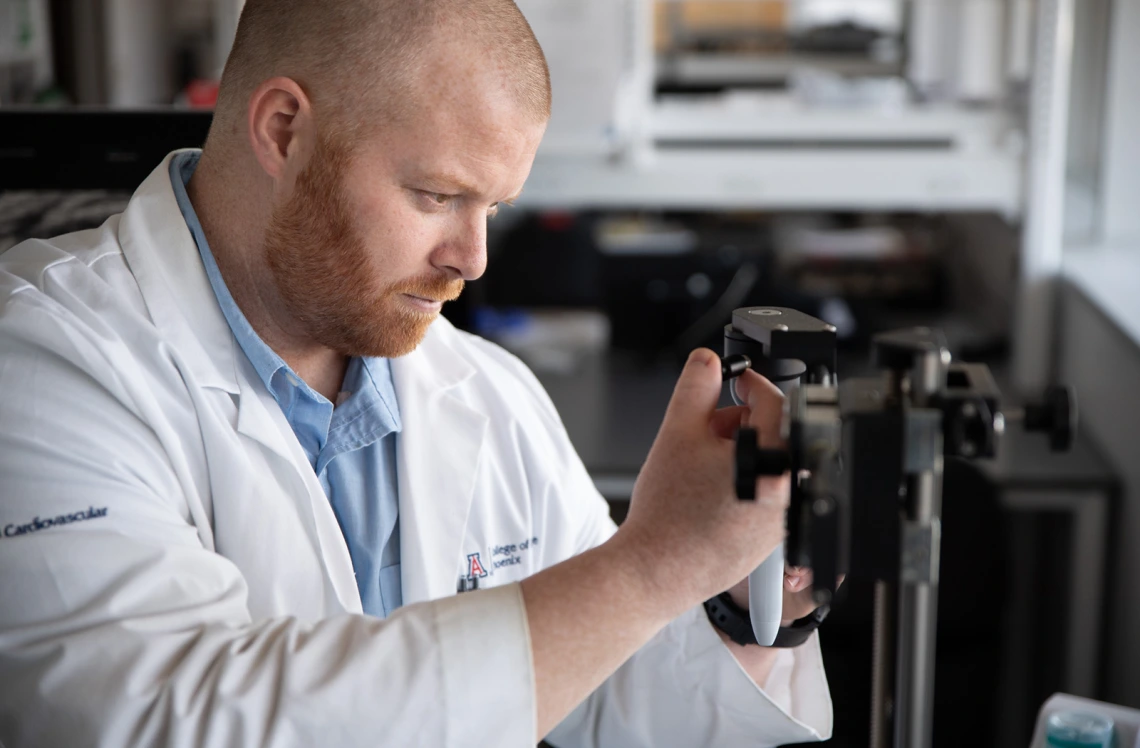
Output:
x,y
972,165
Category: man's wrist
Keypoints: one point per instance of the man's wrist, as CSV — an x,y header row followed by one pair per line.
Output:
x,y
659,589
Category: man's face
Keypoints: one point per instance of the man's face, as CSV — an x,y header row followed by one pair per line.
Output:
x,y
375,236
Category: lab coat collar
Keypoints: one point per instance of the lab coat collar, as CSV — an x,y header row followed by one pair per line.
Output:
x,y
162,256
166,263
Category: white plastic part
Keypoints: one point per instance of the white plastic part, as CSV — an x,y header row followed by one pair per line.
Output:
x,y
981,65
766,597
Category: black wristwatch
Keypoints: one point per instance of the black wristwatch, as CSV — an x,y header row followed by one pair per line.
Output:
x,y
734,621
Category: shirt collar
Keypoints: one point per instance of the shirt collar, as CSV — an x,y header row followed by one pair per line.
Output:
x,y
265,361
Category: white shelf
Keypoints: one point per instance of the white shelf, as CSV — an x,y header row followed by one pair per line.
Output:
x,y
727,69
780,117
780,156
864,180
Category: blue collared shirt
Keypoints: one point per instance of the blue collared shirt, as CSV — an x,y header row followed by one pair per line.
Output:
x,y
351,447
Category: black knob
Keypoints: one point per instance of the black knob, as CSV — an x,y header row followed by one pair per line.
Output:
x,y
899,350
753,462
1057,415
732,367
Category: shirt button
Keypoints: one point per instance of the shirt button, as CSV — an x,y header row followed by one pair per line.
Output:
x,y
293,380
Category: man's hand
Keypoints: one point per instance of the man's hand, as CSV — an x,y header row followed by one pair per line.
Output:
x,y
697,536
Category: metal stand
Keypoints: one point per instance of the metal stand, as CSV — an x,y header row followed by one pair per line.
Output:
x,y
867,458
883,666
921,535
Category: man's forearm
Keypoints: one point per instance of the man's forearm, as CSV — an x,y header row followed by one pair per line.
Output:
x,y
587,616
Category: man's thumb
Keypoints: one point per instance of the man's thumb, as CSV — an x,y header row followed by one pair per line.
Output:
x,y
698,390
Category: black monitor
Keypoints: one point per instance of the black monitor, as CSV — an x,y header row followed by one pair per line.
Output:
x,y
80,149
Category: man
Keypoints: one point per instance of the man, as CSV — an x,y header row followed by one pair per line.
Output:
x,y
245,466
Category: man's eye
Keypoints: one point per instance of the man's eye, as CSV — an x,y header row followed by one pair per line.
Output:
x,y
433,200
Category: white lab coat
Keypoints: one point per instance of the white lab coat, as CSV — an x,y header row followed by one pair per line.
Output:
x,y
213,602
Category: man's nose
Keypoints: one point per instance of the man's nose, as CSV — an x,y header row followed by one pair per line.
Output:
x,y
465,252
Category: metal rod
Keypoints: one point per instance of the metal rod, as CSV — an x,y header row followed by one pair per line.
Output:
x,y
918,564
883,666
918,614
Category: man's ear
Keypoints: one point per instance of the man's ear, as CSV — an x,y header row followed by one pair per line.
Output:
x,y
280,124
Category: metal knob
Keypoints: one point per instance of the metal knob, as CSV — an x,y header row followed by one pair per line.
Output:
x,y
1056,415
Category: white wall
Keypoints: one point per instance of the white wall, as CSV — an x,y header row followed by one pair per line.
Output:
x,y
1121,177
1087,121
1103,364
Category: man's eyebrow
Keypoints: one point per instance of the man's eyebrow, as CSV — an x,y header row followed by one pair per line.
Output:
x,y
450,181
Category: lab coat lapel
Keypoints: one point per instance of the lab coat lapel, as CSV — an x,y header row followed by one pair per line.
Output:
x,y
162,256
260,419
165,261
438,454
168,267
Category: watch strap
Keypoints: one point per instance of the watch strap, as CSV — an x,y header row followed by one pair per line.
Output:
x,y
800,630
730,618
733,620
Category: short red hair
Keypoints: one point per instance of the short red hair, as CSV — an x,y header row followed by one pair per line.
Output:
x,y
357,59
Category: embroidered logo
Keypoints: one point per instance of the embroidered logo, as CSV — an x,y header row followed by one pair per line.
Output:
x,y
475,566
475,570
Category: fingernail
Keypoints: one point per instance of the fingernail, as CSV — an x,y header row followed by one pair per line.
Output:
x,y
701,356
